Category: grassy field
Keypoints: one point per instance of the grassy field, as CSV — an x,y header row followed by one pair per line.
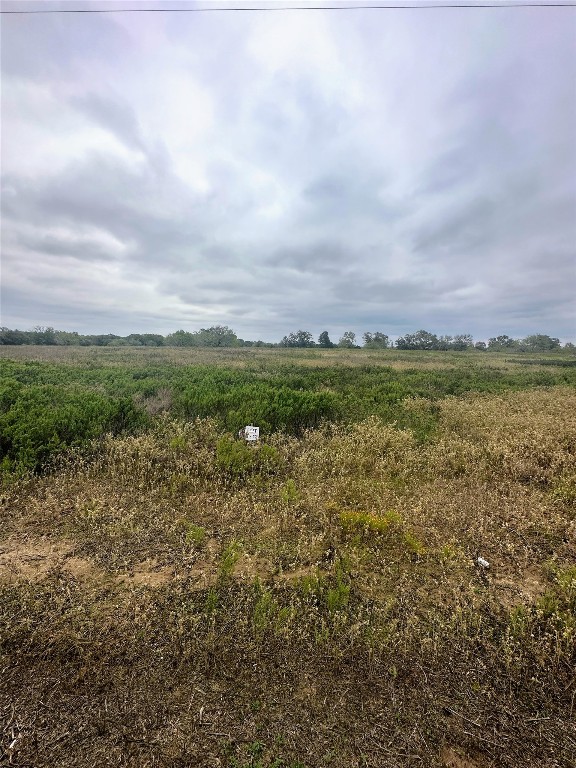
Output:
x,y
170,596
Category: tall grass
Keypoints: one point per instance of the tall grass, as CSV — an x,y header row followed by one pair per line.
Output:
x,y
314,600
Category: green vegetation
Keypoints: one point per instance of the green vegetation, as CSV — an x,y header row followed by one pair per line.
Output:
x,y
173,596
47,407
221,336
38,421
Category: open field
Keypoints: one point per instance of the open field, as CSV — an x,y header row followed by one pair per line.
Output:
x,y
55,398
172,597
249,357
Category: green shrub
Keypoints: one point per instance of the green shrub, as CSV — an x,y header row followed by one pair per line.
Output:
x,y
193,534
228,560
238,459
369,522
38,422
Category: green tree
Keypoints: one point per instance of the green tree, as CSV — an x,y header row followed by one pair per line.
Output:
x,y
418,340
376,340
181,339
67,338
216,336
324,340
462,341
298,339
7,336
445,343
502,342
539,342
145,339
43,335
348,340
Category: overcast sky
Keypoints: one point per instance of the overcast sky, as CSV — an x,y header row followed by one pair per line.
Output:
x,y
273,171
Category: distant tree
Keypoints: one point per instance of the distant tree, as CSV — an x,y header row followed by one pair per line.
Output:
x,y
445,343
324,340
462,341
67,338
8,336
458,343
181,339
217,336
481,345
539,343
570,347
348,340
43,335
418,340
98,340
298,339
134,340
376,340
502,342
145,340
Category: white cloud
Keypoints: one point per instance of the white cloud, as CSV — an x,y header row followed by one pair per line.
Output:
x,y
393,170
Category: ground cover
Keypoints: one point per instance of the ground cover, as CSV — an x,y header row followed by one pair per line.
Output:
x,y
172,597
71,395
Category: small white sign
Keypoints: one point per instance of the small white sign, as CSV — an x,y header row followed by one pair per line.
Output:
x,y
251,434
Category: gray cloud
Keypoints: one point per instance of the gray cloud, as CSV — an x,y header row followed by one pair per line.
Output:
x,y
112,114
274,172
47,49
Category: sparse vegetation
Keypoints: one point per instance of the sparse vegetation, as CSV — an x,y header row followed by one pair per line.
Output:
x,y
171,596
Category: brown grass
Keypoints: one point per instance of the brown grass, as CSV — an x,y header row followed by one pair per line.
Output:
x,y
157,610
247,357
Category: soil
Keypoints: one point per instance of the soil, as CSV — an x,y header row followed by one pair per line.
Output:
x,y
34,559
453,758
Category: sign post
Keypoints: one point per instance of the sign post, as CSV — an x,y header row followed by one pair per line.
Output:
x,y
250,433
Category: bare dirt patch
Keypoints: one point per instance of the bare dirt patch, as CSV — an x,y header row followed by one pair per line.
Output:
x,y
31,560
148,574
34,559
527,587
204,575
248,568
297,574
452,758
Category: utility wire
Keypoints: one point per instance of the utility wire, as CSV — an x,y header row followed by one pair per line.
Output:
x,y
406,6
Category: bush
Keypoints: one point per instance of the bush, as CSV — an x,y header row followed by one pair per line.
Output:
x,y
238,459
38,422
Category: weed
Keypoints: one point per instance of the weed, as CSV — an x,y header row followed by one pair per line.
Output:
x,y
194,535
211,602
228,560
289,492
239,459
264,610
368,522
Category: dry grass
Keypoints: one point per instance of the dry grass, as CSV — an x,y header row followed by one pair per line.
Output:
x,y
250,357
321,606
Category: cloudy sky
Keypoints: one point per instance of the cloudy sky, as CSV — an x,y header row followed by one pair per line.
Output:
x,y
273,171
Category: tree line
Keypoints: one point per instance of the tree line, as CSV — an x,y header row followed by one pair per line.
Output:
x,y
424,340
223,336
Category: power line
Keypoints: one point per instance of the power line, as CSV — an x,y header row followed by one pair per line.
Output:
x,y
405,6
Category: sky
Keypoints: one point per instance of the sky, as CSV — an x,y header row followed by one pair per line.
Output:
x,y
365,170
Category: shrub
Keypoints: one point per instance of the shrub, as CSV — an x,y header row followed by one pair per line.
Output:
x,y
42,421
369,522
238,459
